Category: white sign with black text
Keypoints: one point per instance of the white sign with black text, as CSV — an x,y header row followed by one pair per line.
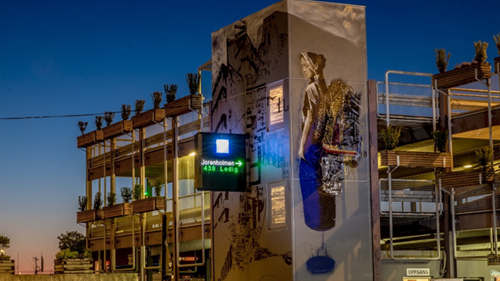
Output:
x,y
418,272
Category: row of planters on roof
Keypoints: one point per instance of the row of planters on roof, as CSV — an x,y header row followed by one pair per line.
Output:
x,y
437,159
481,173
142,202
467,72
142,119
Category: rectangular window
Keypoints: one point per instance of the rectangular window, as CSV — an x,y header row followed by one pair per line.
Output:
x,y
275,112
277,205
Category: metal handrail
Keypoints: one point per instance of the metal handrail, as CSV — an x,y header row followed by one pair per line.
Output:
x,y
431,182
387,114
437,214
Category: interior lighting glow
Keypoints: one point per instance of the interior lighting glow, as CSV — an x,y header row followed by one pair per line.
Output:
x,y
192,154
222,146
468,166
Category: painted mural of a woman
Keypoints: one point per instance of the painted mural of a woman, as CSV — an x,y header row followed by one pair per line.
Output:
x,y
330,139
319,208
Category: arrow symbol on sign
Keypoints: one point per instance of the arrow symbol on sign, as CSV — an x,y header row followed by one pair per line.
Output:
x,y
239,163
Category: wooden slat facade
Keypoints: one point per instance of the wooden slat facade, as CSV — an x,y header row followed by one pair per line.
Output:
x,y
88,216
118,128
462,179
73,266
90,138
482,204
462,76
7,267
118,210
415,159
497,64
148,205
148,118
183,105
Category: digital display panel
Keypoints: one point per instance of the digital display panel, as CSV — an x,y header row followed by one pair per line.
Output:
x,y
220,162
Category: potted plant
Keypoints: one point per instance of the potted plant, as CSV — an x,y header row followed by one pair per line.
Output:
x,y
193,81
391,136
73,257
146,204
116,210
97,205
482,174
68,261
126,193
139,106
125,111
84,215
467,73
98,122
111,198
157,97
7,265
481,48
83,126
442,59
137,192
188,103
158,187
170,91
150,117
108,117
440,138
391,157
72,262
484,157
119,128
497,59
92,137
82,203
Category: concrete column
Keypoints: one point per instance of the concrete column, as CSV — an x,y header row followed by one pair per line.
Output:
x,y
375,199
175,195
142,260
113,168
88,192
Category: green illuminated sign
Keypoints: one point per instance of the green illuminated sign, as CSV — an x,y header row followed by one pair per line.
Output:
x,y
220,162
222,166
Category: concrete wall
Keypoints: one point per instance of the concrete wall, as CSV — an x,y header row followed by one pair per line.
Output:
x,y
72,277
248,57
331,240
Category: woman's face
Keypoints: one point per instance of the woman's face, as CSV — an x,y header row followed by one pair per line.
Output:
x,y
306,70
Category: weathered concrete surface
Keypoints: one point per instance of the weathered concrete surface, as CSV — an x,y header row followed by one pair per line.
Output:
x,y
72,277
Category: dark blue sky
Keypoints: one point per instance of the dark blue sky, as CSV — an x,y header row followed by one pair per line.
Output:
x,y
77,57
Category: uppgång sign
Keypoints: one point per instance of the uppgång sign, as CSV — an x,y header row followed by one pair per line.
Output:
x,y
418,272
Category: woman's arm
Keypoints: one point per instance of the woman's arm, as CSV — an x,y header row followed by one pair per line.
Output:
x,y
305,132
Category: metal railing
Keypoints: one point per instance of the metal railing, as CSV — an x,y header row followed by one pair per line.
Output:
x,y
190,213
409,197
412,192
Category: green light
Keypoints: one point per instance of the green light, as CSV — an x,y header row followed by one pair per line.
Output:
x,y
221,169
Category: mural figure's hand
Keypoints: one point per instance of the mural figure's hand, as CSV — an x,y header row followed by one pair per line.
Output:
x,y
301,153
